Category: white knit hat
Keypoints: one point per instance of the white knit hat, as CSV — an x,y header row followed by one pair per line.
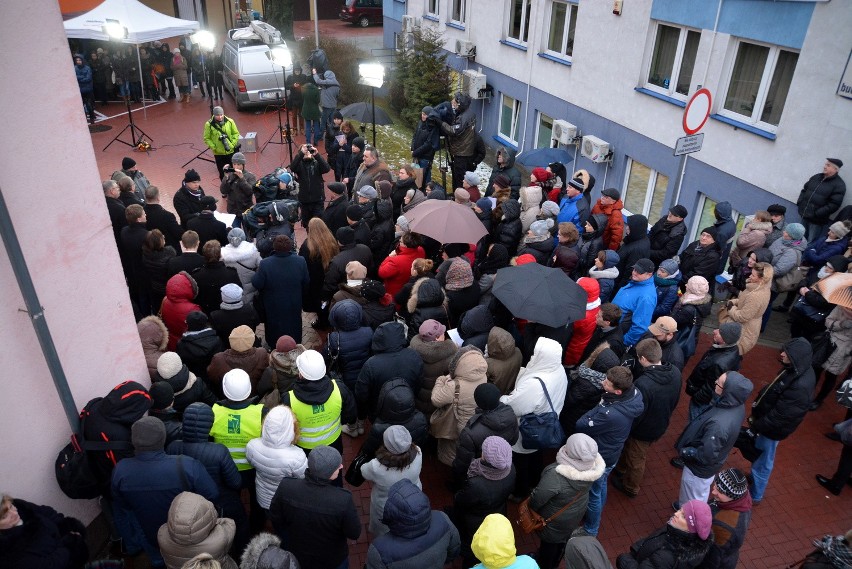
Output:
x,y
169,365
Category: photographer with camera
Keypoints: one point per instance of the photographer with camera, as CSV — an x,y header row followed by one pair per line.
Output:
x,y
309,166
458,124
237,187
222,138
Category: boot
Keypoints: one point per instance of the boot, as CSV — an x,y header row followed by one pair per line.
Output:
x,y
355,429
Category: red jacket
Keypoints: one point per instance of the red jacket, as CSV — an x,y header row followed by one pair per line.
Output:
x,y
614,231
180,291
396,269
583,329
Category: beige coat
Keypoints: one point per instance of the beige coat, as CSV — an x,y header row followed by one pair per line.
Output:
x,y
530,205
753,236
192,528
468,370
839,324
504,360
748,309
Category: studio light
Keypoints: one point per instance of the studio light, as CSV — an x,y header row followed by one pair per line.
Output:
x,y
114,29
372,75
206,40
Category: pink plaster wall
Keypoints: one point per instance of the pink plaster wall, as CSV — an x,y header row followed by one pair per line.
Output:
x,y
50,181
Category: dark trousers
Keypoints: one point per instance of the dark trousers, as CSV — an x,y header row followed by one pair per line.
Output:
x,y
459,165
844,468
549,555
230,506
221,161
310,210
257,517
89,105
528,469
827,386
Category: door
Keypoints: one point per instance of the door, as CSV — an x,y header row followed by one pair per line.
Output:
x,y
191,10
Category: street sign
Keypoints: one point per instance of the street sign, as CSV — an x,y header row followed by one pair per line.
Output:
x,y
697,110
689,144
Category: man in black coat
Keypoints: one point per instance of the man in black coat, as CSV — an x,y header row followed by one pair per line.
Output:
x,y
314,515
636,245
722,356
132,238
212,277
206,225
189,258
349,251
458,123
281,280
426,140
820,197
187,200
663,330
660,388
607,330
355,220
779,409
667,235
309,167
115,208
334,215
162,219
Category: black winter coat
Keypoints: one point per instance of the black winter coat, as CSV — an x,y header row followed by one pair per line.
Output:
x,y
425,141
660,388
500,422
391,359
672,353
132,238
476,500
336,273
510,229
782,405
196,350
461,301
197,393
186,262
382,233
187,205
426,302
475,325
349,342
172,421
210,279
541,250
155,264
395,406
666,239
636,246
224,322
362,233
309,173
400,188
43,540
701,261
117,218
312,298
509,170
208,228
713,363
589,246
334,215
160,218
666,548
820,197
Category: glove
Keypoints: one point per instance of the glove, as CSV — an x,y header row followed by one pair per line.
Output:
x,y
688,453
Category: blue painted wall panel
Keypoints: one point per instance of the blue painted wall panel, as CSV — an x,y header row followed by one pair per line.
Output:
x,y
700,14
779,23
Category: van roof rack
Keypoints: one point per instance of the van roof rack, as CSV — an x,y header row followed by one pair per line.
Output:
x,y
259,31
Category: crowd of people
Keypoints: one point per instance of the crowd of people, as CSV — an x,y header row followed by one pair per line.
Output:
x,y
264,354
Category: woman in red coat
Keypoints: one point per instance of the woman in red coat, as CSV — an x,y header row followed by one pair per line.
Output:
x,y
181,289
583,329
395,270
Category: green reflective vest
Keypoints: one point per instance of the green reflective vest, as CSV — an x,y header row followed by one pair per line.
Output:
x,y
318,424
234,428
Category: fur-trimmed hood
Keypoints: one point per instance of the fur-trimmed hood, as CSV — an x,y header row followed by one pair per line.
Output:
x,y
244,252
590,475
468,364
276,558
426,292
153,334
706,299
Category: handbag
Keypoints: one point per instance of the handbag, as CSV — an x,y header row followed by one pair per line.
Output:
x,y
822,348
746,443
544,430
334,362
529,520
792,278
443,422
844,394
353,474
685,338
805,310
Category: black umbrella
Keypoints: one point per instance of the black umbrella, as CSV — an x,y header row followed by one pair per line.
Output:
x,y
363,112
540,294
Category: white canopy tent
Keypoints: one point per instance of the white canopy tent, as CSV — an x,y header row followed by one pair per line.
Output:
x,y
143,25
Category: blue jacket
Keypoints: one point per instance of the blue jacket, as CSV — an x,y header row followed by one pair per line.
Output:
x,y
610,421
637,301
350,341
419,537
820,251
666,294
147,483
569,211
84,78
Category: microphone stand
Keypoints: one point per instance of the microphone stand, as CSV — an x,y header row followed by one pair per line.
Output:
x,y
284,131
134,140
200,155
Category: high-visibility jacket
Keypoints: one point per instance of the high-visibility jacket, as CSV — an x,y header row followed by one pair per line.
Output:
x,y
234,428
318,424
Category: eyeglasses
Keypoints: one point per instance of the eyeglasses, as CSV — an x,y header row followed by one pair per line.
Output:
x,y
719,385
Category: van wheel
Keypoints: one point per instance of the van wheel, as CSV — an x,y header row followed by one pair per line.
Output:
x,y
364,21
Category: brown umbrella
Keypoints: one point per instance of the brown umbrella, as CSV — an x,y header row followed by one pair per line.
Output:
x,y
446,222
837,289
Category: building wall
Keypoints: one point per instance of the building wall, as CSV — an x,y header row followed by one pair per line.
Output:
x,y
598,90
51,185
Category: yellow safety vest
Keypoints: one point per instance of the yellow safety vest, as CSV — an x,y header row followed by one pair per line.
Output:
x,y
234,428
318,424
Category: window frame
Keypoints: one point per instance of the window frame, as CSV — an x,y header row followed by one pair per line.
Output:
x,y
571,11
769,69
462,12
526,11
650,189
697,226
677,64
511,138
436,4
540,116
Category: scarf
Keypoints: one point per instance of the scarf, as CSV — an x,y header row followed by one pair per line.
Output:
x,y
741,504
478,467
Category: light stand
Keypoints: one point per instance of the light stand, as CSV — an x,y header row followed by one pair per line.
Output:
x,y
206,42
281,56
372,75
118,32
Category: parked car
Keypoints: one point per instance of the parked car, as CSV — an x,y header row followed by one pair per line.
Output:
x,y
248,72
362,12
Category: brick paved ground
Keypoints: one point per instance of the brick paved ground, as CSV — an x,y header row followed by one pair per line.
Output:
x,y
795,509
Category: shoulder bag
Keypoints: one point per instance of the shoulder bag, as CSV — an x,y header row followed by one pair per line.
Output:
x,y
334,364
529,520
444,422
792,278
542,431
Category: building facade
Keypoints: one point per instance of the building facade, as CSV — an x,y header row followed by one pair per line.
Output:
x,y
623,71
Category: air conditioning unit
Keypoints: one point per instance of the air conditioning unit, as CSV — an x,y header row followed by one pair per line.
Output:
x,y
465,48
407,23
564,132
267,34
472,83
595,149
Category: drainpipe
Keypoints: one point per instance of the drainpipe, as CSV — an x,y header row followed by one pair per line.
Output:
x,y
36,313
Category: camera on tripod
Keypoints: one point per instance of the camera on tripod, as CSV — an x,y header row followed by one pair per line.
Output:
x,y
225,142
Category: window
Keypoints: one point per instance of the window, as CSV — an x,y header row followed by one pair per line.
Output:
x,y
563,21
708,217
457,13
644,190
433,7
510,112
519,20
673,60
759,82
543,138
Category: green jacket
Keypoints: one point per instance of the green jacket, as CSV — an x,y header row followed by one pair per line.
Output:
x,y
212,134
310,102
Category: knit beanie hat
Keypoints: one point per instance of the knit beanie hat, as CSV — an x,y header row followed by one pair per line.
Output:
x,y
431,330
541,227
354,212
169,365
191,176
541,175
373,290
324,461
472,178
368,192
241,338
710,231
795,230
697,285
345,235
699,518
459,275
232,294
839,228
162,395
486,396
397,439
839,263
359,142
550,209
402,221
218,110
730,332
336,188
197,321
580,451
355,271
524,259
236,236
285,344
127,163
732,483
497,452
669,266
238,158
462,196
147,434
501,181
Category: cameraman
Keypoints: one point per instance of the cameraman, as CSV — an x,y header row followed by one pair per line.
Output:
x,y
309,166
222,137
458,124
237,187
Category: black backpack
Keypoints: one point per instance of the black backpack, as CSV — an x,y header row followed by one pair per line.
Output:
x,y
74,474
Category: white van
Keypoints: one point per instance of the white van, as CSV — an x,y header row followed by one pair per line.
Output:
x,y
248,73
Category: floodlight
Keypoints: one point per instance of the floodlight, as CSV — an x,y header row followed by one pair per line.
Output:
x,y
206,40
372,74
114,29
281,56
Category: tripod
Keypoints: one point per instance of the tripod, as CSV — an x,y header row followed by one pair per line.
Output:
x,y
283,130
200,155
134,140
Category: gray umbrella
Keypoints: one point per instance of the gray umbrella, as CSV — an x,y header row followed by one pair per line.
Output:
x,y
363,112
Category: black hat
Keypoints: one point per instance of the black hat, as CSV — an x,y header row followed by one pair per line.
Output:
x,y
337,188
196,321
836,161
208,203
147,434
345,236
372,290
354,213
127,163
191,176
359,142
611,193
644,266
679,211
486,396
776,209
732,483
162,395
710,231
